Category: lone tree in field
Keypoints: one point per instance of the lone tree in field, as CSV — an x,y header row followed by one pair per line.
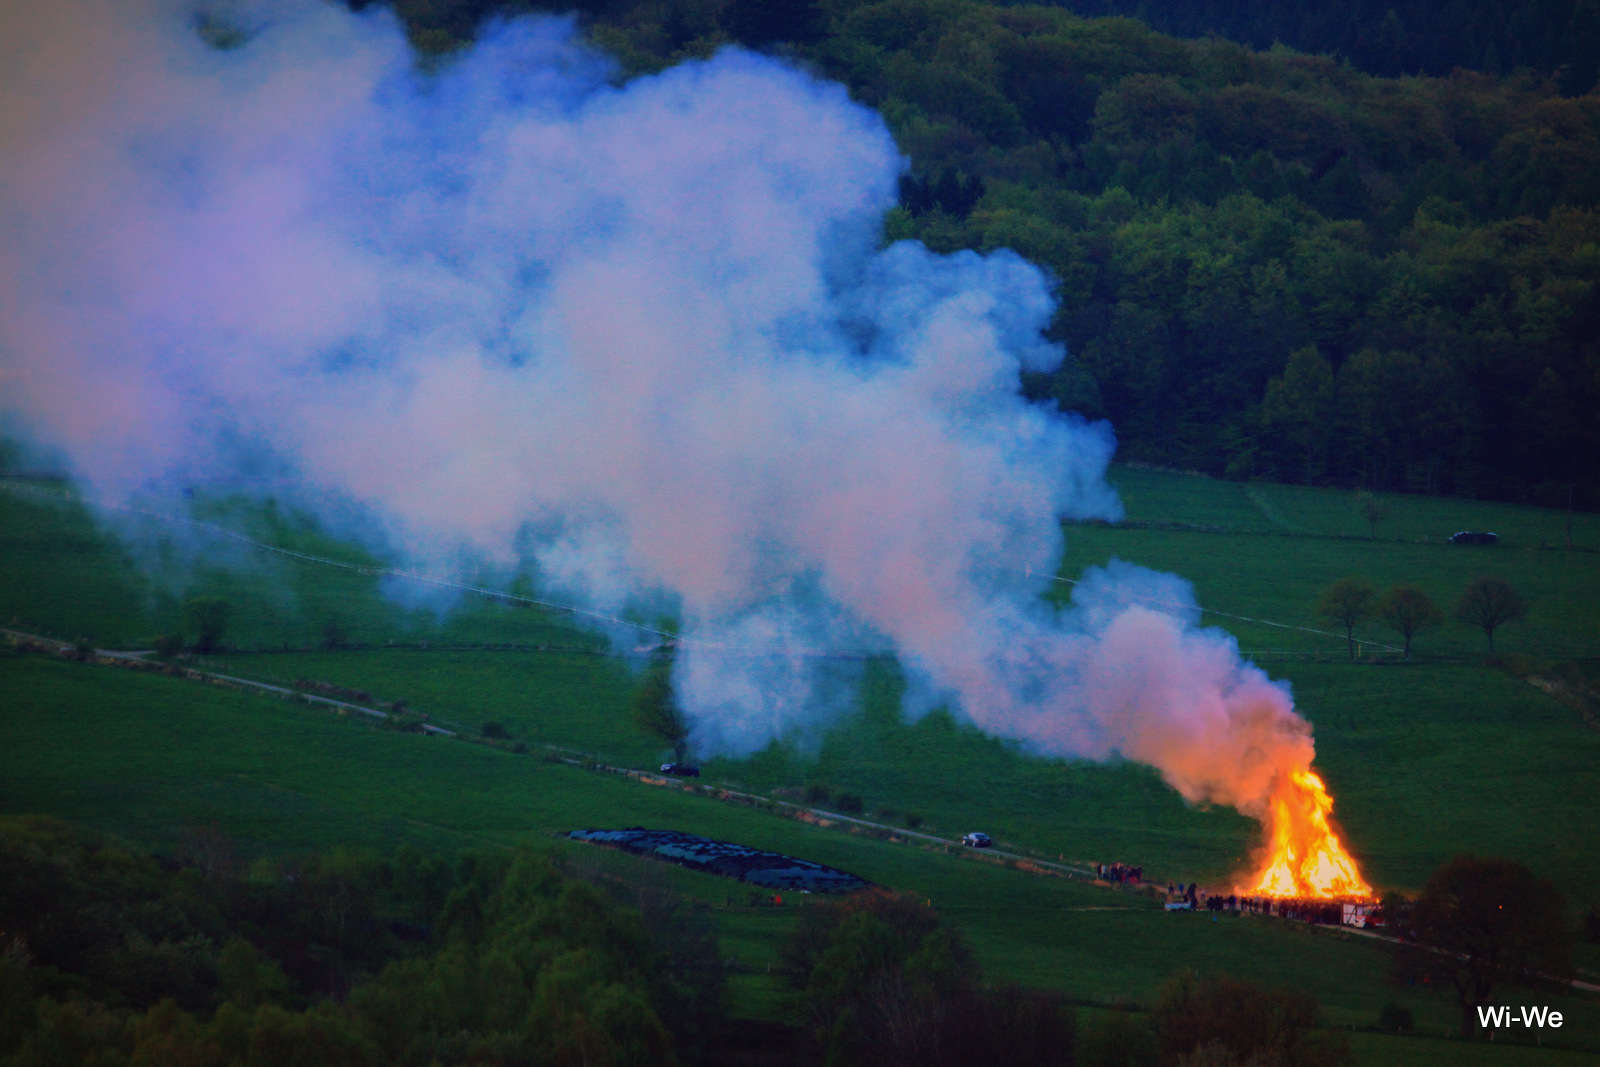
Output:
x,y
1373,510
1483,923
1347,602
1408,611
1490,603
208,617
655,707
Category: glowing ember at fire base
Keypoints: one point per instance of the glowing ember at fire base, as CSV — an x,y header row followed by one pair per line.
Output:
x,y
1305,858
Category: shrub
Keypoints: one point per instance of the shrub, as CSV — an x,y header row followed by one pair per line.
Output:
x,y
1119,1039
208,616
849,803
886,982
495,732
334,637
1396,1019
1229,1020
913,820
1515,664
404,723
169,645
817,793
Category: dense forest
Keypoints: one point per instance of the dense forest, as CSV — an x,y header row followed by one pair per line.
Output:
x,y
113,957
1390,37
1270,264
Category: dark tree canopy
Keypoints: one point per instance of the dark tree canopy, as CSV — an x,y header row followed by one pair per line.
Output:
x,y
1271,264
655,707
1483,923
208,618
887,982
1392,37
348,958
1408,611
1488,604
1220,1019
1348,602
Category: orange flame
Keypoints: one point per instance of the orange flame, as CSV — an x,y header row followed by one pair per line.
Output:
x,y
1305,858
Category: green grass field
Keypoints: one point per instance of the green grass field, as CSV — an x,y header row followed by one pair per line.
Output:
x,y
1425,759
151,757
1247,564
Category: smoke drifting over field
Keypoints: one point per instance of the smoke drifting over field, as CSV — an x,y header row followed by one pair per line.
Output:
x,y
641,338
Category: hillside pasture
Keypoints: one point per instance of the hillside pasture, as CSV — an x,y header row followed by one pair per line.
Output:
x,y
153,757
1443,754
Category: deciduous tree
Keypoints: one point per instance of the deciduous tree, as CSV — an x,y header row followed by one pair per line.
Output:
x,y
208,618
1408,611
655,707
1483,923
1374,510
1347,602
888,983
1226,1020
1297,407
1489,603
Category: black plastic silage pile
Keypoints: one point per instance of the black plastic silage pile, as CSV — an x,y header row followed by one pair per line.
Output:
x,y
770,870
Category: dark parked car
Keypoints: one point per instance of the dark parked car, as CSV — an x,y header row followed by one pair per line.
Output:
x,y
1469,537
682,770
977,840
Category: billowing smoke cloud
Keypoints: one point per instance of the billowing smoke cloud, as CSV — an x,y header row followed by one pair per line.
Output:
x,y
644,334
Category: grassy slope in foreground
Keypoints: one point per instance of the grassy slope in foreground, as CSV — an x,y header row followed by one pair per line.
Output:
x,y
150,756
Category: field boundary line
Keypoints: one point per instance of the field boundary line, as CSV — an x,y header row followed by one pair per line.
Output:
x,y
1271,512
140,660
816,816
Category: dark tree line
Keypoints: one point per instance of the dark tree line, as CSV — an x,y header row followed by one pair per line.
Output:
x,y
1486,604
1270,264
111,956
1392,37
886,982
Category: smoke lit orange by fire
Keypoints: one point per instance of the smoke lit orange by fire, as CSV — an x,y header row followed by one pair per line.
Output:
x,y
1305,858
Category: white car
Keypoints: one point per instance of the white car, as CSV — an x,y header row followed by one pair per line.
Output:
x,y
977,840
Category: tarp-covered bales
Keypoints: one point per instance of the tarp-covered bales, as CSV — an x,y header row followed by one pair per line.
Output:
x,y
770,870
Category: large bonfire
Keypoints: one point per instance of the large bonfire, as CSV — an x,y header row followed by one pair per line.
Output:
x,y
1304,857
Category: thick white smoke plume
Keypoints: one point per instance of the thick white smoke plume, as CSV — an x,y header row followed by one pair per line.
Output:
x,y
645,330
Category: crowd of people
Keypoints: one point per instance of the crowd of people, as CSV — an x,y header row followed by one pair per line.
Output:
x,y
1330,913
1119,873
